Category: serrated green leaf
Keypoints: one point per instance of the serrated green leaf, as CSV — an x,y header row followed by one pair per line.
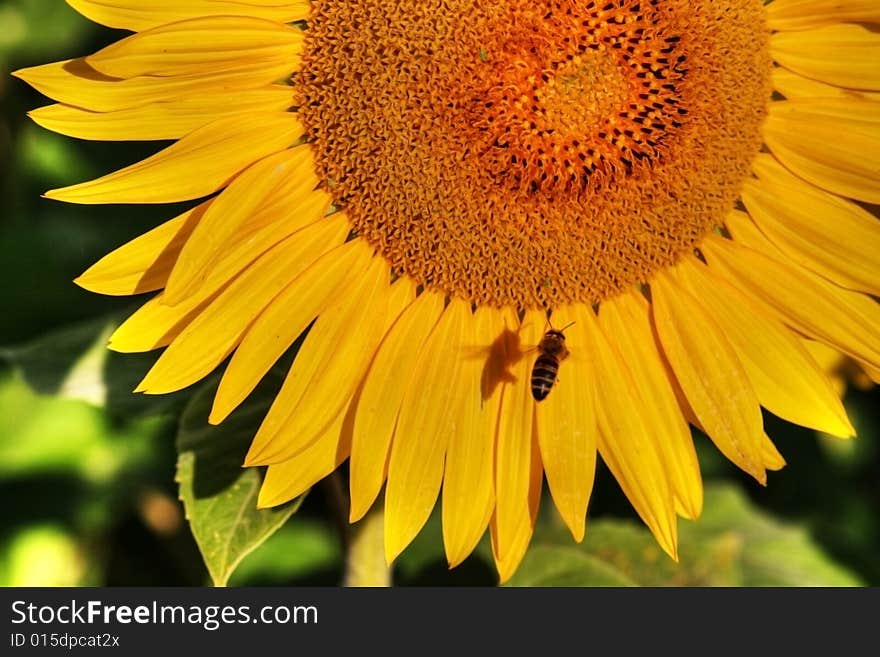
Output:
x,y
219,496
554,565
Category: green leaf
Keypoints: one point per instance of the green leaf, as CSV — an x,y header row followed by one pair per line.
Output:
x,y
733,544
73,362
219,496
713,559
554,565
41,434
66,362
33,26
772,553
305,549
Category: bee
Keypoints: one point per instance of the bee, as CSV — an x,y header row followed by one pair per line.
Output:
x,y
552,352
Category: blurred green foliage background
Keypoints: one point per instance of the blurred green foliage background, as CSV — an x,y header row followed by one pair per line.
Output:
x,y
87,469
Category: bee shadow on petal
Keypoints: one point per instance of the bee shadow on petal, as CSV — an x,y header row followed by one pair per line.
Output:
x,y
498,360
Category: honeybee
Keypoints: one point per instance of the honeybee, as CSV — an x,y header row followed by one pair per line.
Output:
x,y
552,351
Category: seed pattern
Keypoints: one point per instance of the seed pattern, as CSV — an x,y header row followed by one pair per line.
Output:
x,y
530,153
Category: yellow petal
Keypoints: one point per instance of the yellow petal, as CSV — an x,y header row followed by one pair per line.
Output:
x,y
218,329
157,323
626,321
837,154
822,232
566,424
771,457
517,452
319,288
292,478
380,398
841,369
710,374
219,151
787,380
73,82
330,364
231,209
170,119
845,55
808,303
509,550
871,372
153,325
802,14
138,15
144,264
830,361
430,413
794,86
201,46
468,486
627,441
858,113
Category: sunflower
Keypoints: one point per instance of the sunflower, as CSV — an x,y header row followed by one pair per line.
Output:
x,y
419,190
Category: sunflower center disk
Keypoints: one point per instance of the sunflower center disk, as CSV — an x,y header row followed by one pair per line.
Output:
x,y
534,152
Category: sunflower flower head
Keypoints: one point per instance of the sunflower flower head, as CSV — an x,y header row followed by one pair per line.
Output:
x,y
420,190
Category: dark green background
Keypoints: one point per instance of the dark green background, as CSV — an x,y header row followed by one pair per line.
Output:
x,y
89,494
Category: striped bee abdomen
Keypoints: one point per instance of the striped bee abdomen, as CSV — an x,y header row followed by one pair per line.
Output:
x,y
544,375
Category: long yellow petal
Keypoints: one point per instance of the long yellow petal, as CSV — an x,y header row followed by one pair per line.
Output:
x,y
154,325
871,371
219,151
845,55
770,455
794,86
430,413
841,369
517,452
293,477
787,380
837,154
171,119
232,208
566,424
157,323
710,374
803,14
627,441
509,550
626,321
144,264
319,288
822,232
830,361
841,318
329,366
380,398
201,46
138,15
73,82
218,329
859,113
468,486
